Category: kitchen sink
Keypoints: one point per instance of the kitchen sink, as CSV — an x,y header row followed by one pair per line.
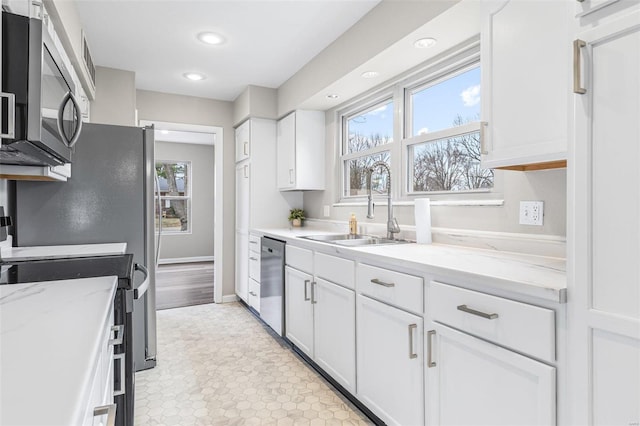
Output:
x,y
353,240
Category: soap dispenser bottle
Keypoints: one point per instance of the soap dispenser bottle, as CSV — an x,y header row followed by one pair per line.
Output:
x,y
353,225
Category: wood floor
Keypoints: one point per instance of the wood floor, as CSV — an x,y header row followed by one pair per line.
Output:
x,y
184,284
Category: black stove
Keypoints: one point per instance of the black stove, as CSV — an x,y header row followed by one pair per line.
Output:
x,y
122,266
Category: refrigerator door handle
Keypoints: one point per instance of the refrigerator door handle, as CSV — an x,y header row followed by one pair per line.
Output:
x,y
157,180
142,289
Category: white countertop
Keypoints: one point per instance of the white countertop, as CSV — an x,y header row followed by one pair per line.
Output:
x,y
61,252
536,276
50,336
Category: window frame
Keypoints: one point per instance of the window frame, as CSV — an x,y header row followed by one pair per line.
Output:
x,y
440,68
188,197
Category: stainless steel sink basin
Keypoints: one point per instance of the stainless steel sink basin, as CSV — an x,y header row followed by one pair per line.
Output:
x,y
353,240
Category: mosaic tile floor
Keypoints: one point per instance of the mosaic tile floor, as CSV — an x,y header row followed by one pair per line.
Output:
x,y
218,365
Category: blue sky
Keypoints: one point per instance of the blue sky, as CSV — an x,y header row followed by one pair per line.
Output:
x,y
435,107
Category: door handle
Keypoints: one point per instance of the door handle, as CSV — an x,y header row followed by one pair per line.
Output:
x,y
382,283
120,357
11,115
577,45
465,308
109,410
246,171
412,327
306,296
313,293
245,148
290,175
140,291
430,361
76,112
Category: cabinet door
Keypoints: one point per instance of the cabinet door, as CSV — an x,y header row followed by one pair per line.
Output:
x,y
525,74
390,362
243,141
605,307
242,265
286,148
243,196
299,310
476,383
335,332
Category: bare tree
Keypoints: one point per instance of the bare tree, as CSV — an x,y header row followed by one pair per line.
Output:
x,y
358,167
172,172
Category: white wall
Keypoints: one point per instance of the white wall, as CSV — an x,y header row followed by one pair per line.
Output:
x,y
199,242
155,106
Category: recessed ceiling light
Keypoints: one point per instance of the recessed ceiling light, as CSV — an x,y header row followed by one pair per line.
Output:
x,y
424,43
194,76
164,132
370,74
332,96
211,38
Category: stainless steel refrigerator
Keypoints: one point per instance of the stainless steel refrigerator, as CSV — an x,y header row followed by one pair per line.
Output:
x,y
109,199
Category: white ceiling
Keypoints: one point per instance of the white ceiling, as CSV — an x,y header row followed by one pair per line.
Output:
x,y
267,40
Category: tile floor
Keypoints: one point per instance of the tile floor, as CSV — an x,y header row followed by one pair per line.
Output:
x,y
218,365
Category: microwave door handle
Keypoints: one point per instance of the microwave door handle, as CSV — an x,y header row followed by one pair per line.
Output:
x,y
76,111
11,115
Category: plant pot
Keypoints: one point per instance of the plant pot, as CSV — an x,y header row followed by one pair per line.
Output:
x,y
296,222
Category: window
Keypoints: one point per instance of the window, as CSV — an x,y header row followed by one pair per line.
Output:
x,y
444,150
433,146
175,191
367,139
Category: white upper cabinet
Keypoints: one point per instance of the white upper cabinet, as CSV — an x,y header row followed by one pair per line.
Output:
x,y
525,62
243,141
300,141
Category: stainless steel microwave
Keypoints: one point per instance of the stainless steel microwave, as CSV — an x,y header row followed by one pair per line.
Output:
x,y
41,119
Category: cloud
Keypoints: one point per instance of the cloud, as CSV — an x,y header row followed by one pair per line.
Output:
x,y
471,96
423,131
378,110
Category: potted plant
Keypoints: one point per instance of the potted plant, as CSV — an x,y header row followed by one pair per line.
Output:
x,y
296,216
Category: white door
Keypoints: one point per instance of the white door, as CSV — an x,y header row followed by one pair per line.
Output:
x,y
286,148
298,309
525,62
335,332
476,383
605,278
390,363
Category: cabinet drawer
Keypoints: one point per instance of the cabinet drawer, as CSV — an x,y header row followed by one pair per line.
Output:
x,y
335,269
299,258
395,288
254,243
254,266
520,326
254,295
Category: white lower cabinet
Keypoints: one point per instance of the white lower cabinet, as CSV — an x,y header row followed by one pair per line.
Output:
x,y
335,332
298,309
473,382
390,362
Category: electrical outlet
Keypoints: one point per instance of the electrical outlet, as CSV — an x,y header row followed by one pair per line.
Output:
x,y
327,211
531,212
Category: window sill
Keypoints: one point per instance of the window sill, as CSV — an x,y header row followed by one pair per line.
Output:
x,y
490,203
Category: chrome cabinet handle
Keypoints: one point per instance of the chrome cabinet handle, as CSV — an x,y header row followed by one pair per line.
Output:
x,y
577,45
253,242
11,115
306,296
468,310
412,327
430,361
77,112
290,175
119,334
245,148
109,410
253,258
382,283
246,171
121,358
483,134
253,293
313,293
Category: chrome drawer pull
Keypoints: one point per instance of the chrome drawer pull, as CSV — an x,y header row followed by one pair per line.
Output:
x,y
468,310
382,283
313,293
109,410
306,292
253,258
119,334
253,293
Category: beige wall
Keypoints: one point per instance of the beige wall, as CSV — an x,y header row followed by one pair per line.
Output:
x,y
548,186
115,101
157,106
200,241
255,101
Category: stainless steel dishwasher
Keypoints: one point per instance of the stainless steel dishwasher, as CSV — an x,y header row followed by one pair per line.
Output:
x,y
272,284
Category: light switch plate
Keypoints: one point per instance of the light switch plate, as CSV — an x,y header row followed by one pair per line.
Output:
x,y
531,213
